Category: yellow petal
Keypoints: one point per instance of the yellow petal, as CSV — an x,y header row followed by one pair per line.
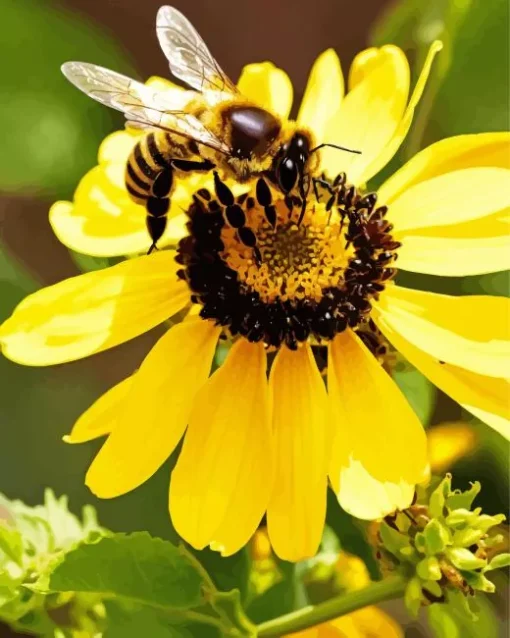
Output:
x,y
369,115
371,621
471,332
297,509
451,154
323,95
221,484
117,146
486,397
89,313
153,416
471,248
103,221
452,198
389,150
101,417
268,86
379,449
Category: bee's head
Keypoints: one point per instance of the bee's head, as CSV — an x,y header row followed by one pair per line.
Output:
x,y
291,160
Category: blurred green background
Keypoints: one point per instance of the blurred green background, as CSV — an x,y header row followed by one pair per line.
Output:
x,y
50,135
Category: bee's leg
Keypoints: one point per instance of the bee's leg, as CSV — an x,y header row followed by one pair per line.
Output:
x,y
303,192
265,199
234,214
158,204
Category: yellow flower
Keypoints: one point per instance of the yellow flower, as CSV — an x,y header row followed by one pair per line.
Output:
x,y
449,442
364,623
253,444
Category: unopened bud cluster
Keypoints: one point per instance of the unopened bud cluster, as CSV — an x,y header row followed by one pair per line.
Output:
x,y
443,547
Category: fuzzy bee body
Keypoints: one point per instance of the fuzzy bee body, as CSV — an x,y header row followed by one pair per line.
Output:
x,y
211,126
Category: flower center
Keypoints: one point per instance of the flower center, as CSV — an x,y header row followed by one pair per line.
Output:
x,y
267,269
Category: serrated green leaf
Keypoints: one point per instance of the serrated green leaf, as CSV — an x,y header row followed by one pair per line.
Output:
x,y
464,500
135,621
499,561
463,559
135,567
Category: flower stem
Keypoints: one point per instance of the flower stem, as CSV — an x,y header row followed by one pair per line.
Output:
x,y
312,615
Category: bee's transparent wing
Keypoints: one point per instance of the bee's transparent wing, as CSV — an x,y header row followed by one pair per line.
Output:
x,y
142,105
190,59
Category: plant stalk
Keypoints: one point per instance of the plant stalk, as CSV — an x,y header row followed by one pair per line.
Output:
x,y
312,615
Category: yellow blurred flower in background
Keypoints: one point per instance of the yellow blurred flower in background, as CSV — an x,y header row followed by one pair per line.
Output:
x,y
448,443
251,444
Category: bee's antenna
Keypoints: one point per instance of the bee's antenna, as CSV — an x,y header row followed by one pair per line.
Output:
x,y
340,148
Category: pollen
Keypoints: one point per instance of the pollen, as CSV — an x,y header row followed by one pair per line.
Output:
x,y
280,270
292,262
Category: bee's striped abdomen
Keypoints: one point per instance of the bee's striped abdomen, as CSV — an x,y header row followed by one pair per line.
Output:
x,y
149,174
147,159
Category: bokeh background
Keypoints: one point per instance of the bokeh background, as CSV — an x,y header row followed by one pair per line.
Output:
x,y
49,138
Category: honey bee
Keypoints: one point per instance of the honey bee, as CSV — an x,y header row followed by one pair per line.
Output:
x,y
210,127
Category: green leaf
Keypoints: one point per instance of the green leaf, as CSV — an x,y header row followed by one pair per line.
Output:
x,y
135,567
418,390
134,621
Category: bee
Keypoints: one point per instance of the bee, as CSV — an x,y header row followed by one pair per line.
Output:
x,y
210,127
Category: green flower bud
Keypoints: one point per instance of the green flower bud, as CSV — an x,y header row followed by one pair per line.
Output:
x,y
463,500
462,517
413,596
479,582
462,558
434,588
428,569
437,537
485,522
501,560
467,537
393,540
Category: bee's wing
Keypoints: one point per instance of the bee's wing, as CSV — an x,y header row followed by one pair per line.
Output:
x,y
142,105
190,59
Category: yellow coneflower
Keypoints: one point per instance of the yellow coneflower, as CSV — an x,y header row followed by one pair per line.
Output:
x,y
262,434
